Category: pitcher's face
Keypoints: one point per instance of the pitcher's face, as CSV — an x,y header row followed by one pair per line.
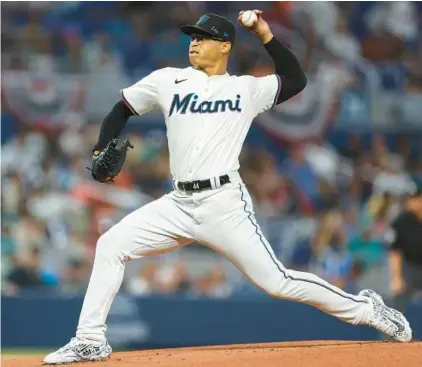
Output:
x,y
205,51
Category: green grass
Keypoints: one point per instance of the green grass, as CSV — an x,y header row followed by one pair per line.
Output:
x,y
24,352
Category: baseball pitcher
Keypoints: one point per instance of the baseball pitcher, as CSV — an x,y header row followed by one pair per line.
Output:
x,y
208,114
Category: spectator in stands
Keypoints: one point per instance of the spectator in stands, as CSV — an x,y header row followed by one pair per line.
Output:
x,y
289,200
173,279
28,232
368,246
331,258
398,19
391,26
105,73
212,285
317,19
169,49
261,176
302,255
75,278
328,197
72,59
299,171
273,194
8,250
390,177
136,47
415,167
367,250
150,170
26,274
145,282
409,104
36,41
11,196
327,164
342,44
354,148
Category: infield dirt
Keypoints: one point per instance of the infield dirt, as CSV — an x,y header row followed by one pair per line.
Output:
x,y
292,354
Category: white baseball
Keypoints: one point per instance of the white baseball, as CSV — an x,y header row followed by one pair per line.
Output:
x,y
249,18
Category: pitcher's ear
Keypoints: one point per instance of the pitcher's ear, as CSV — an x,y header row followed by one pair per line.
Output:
x,y
226,47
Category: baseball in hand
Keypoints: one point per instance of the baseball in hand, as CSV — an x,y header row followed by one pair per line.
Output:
x,y
249,18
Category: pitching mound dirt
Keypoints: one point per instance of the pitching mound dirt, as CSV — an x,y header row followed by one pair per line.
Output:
x,y
300,354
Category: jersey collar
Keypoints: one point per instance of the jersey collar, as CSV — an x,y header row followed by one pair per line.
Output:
x,y
220,76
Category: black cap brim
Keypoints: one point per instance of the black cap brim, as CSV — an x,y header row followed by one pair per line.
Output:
x,y
191,29
195,29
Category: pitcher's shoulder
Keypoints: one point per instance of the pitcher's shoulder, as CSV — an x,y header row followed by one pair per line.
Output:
x,y
170,74
173,71
242,79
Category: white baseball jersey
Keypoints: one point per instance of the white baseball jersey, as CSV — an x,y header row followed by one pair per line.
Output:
x,y
207,118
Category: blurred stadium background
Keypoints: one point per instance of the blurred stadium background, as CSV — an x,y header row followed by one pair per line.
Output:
x,y
327,170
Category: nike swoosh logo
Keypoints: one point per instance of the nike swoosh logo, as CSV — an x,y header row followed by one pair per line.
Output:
x,y
179,81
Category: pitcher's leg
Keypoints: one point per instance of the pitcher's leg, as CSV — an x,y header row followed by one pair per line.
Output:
x,y
157,227
106,279
257,261
239,237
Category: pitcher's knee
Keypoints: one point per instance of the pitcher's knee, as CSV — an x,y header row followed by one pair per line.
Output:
x,y
273,285
108,245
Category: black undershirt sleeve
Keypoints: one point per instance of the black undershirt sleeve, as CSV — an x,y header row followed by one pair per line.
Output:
x,y
113,124
287,66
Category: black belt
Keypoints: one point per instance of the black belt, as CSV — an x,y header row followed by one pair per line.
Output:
x,y
200,185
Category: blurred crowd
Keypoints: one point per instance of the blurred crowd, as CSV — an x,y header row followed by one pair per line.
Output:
x,y
53,212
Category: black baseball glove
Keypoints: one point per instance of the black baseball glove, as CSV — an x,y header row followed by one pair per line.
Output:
x,y
108,164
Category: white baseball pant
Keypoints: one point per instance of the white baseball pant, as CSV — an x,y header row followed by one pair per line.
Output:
x,y
222,219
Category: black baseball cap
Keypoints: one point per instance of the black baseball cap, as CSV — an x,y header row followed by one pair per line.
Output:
x,y
212,25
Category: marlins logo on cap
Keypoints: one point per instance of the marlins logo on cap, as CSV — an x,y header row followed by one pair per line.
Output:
x,y
203,19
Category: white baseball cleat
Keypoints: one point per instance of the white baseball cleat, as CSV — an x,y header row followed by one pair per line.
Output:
x,y
388,320
79,350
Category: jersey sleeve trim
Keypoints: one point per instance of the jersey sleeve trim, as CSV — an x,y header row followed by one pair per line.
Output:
x,y
128,105
277,95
